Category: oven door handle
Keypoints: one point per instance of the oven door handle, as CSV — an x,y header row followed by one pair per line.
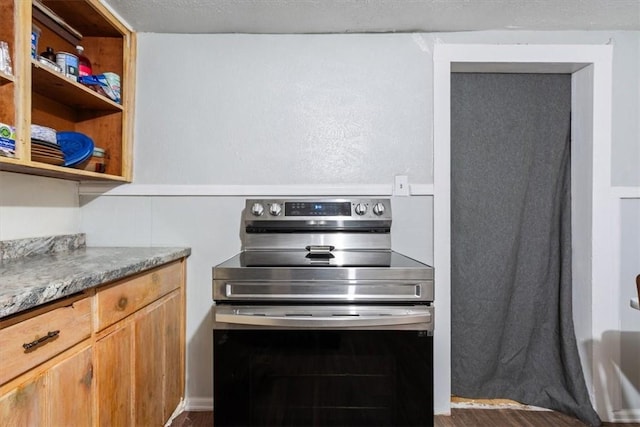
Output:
x,y
322,319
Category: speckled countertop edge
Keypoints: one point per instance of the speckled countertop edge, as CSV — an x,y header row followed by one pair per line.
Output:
x,y
22,248
28,282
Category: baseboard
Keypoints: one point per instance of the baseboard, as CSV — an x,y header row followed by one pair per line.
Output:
x,y
198,404
625,416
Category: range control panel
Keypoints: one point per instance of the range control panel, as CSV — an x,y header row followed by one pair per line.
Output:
x,y
304,209
340,224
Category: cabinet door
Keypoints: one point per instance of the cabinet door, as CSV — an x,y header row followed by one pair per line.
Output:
x,y
70,390
158,361
23,405
149,366
114,373
59,396
173,354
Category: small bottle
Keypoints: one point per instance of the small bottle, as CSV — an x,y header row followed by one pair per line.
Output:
x,y
84,65
49,54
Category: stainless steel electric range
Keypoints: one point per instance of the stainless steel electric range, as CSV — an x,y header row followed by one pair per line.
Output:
x,y
318,322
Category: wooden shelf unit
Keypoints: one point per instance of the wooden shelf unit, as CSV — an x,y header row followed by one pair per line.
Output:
x,y
38,95
7,82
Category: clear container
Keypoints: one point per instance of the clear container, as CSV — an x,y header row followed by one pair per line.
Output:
x,y
84,65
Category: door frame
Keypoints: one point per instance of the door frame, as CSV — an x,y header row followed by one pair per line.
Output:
x,y
595,216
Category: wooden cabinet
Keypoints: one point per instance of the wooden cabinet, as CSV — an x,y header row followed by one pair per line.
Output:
x,y
46,368
113,356
35,94
141,341
61,395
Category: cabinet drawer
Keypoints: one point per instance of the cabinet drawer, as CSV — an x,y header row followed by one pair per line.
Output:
x,y
66,326
118,301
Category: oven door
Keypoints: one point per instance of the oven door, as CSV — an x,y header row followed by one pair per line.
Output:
x,y
323,365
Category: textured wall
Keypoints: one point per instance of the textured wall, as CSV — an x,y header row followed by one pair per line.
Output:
x,y
259,109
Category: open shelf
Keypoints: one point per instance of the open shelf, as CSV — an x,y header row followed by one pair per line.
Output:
x,y
65,91
43,169
40,95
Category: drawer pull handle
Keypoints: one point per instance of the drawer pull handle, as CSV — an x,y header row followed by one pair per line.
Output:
x,y
30,345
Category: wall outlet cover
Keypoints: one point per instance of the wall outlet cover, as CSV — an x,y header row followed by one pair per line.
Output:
x,y
401,185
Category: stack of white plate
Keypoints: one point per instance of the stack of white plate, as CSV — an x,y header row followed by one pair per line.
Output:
x,y
43,133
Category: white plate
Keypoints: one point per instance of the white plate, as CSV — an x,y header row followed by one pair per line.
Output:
x,y
43,133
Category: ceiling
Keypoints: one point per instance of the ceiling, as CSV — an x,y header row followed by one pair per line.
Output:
x,y
365,16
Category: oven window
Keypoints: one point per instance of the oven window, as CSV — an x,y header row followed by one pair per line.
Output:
x,y
323,378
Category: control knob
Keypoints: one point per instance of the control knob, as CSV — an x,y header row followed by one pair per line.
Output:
x,y
361,209
257,209
378,209
275,209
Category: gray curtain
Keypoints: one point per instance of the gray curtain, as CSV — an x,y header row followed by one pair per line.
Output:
x,y
512,328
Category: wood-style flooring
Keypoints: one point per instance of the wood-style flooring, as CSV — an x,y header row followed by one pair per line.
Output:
x,y
459,418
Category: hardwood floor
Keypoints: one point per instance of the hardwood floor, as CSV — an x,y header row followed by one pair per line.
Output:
x,y
458,418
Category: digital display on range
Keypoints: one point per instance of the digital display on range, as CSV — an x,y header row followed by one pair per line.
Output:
x,y
317,208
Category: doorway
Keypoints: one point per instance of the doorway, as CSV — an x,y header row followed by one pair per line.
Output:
x,y
590,69
512,326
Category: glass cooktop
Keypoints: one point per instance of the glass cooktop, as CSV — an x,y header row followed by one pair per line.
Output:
x,y
335,259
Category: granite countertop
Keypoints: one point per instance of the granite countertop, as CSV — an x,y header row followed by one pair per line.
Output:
x,y
36,277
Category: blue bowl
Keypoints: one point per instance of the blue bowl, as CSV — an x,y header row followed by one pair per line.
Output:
x,y
76,147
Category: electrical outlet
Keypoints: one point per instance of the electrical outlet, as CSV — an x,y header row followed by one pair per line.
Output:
x,y
401,185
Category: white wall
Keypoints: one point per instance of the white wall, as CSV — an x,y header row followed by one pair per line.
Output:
x,y
332,111
34,206
247,109
629,369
